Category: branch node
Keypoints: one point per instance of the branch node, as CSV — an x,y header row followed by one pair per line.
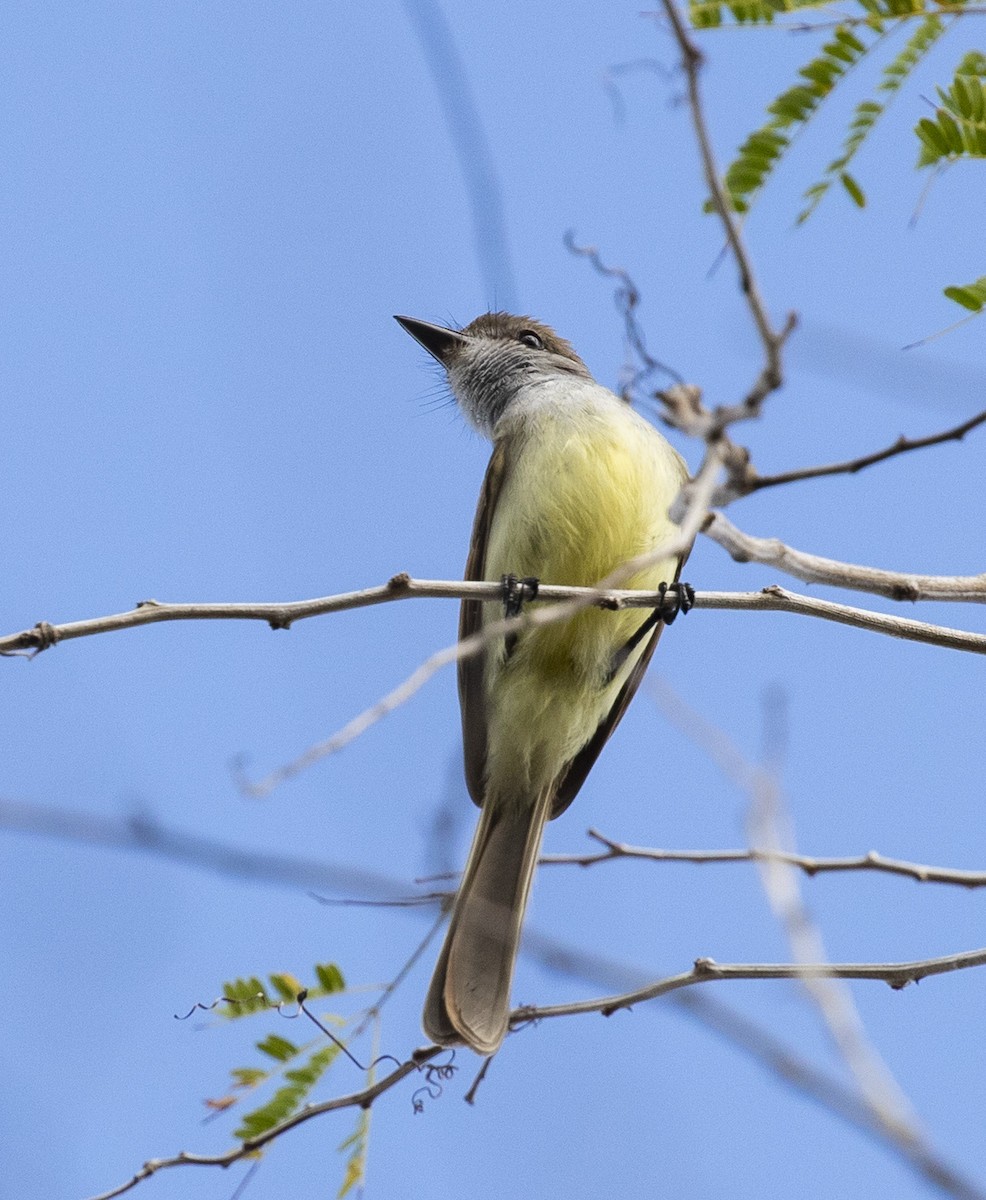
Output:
x,y
905,591
400,583
684,409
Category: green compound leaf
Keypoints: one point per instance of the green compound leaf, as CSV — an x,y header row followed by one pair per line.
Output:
x,y
958,128
246,996
708,14
971,296
294,1070
868,112
853,188
286,986
356,1163
248,1077
274,1046
790,112
330,978
288,1099
251,995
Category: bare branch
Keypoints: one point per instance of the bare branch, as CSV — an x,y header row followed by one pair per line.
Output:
x,y
872,861
777,599
802,1075
143,832
744,479
250,1146
898,975
30,642
743,547
42,636
771,375
770,825
813,568
277,616
886,1104
827,1090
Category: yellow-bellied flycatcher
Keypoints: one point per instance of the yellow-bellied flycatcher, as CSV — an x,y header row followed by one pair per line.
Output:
x,y
578,485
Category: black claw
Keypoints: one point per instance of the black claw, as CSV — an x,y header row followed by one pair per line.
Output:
x,y
676,598
687,597
517,593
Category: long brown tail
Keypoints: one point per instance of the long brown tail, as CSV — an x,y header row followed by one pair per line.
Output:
x,y
469,997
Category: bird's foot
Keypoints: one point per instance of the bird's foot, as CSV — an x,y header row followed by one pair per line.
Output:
x,y
677,598
517,593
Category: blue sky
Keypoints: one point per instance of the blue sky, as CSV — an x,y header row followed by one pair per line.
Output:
x,y
209,220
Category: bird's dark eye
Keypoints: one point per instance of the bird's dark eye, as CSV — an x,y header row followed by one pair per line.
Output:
x,y
530,338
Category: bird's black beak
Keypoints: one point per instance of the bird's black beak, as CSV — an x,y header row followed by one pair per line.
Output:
x,y
436,339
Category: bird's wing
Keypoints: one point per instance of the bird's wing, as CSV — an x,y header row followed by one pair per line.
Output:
x,y
472,671
580,766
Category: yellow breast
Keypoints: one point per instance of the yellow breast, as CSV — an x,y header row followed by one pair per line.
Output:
x,y
587,492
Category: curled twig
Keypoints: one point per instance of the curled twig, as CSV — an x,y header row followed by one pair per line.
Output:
x,y
435,1075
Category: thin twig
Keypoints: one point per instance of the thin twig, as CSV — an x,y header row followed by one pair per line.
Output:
x,y
888,1107
142,831
771,375
44,635
813,568
896,585
897,974
771,826
811,866
747,481
777,599
409,963
470,1096
825,1089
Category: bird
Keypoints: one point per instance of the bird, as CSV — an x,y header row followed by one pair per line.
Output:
x,y
578,485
